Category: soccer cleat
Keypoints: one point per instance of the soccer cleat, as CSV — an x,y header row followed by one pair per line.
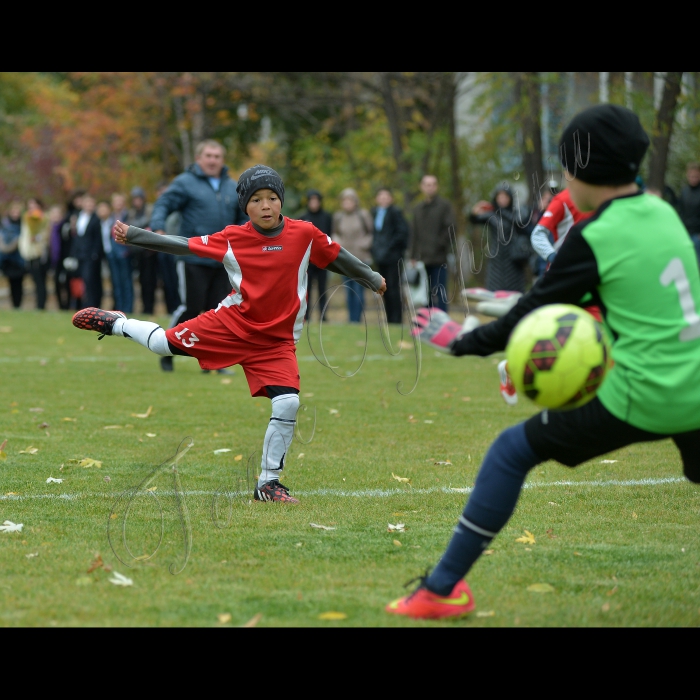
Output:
x,y
508,391
99,320
425,605
434,327
273,491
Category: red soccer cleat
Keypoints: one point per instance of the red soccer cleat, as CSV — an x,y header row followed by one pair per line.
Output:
x,y
424,605
508,391
273,491
92,319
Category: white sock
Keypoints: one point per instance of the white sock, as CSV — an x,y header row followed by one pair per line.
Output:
x,y
278,437
145,333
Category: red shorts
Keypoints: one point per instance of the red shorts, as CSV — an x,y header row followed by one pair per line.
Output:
x,y
216,347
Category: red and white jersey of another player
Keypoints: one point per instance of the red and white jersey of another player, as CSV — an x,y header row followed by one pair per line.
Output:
x,y
560,216
268,277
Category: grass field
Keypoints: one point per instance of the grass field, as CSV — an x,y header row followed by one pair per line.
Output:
x,y
617,543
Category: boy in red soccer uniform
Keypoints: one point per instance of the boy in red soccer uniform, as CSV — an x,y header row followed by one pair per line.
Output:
x,y
558,218
259,323
547,238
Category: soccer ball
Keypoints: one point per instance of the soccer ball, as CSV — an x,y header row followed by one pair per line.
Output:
x,y
558,356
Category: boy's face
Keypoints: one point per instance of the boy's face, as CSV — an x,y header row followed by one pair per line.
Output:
x,y
264,208
693,177
103,211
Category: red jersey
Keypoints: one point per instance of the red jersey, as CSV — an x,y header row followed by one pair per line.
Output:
x,y
268,277
560,216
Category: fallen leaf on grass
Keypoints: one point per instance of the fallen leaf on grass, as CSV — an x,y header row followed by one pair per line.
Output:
x,y
443,463
43,426
401,479
3,455
605,607
120,580
31,555
5,329
113,427
487,552
527,538
332,615
486,613
321,527
83,581
612,591
253,620
223,618
550,534
397,543
69,420
51,480
226,380
97,563
85,463
552,503
108,479
221,451
38,409
540,588
238,458
608,461
411,419
143,415
307,395
634,515
428,421
332,411
578,554
301,455
9,526
150,434
399,527
153,489
29,451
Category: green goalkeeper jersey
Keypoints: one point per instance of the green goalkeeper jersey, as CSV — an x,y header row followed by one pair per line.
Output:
x,y
636,259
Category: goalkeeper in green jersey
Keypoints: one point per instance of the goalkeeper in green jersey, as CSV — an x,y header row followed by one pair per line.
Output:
x,y
635,258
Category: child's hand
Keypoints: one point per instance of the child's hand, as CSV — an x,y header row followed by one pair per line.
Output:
x,y
382,289
119,231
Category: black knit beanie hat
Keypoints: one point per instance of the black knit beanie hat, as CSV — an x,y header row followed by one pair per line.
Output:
x,y
617,145
259,177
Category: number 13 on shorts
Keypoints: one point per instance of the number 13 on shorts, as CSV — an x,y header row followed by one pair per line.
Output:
x,y
187,342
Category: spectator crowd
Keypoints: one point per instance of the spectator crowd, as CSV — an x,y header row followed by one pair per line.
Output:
x,y
69,249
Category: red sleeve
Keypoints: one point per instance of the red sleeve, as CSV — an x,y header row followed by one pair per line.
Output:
x,y
214,246
323,250
553,216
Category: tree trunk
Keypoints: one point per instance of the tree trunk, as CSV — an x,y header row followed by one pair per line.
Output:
x,y
395,127
455,180
527,95
663,129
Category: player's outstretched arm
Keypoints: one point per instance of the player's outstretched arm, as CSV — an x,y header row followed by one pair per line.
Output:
x,y
347,264
132,235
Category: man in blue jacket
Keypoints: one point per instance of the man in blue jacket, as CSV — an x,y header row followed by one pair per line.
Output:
x,y
206,198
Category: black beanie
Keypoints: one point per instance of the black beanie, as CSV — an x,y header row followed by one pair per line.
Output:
x,y
617,145
259,177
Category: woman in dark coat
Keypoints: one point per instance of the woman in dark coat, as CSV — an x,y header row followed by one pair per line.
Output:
x,y
506,243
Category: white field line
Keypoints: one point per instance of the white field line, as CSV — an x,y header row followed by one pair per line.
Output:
x,y
370,493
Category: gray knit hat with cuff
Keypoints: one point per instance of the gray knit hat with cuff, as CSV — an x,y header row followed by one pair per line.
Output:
x,y
259,177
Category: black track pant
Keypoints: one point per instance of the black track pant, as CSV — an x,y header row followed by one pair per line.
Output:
x,y
573,437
